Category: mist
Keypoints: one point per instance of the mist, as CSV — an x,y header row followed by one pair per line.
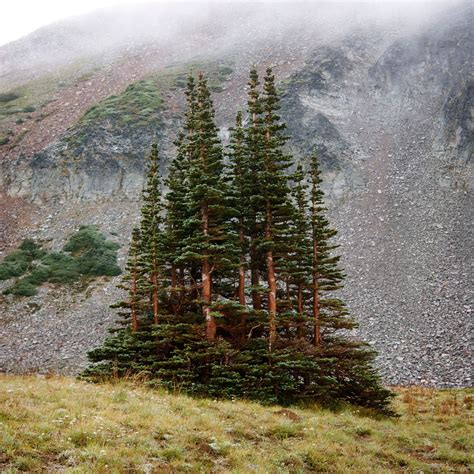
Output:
x,y
203,29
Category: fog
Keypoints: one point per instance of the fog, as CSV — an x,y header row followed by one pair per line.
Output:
x,y
199,28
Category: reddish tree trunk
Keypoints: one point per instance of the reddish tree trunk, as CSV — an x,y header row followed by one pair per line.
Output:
x,y
316,313
211,326
154,296
272,306
242,268
255,278
174,284
300,332
133,308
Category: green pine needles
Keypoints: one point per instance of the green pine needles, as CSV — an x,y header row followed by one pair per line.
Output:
x,y
231,281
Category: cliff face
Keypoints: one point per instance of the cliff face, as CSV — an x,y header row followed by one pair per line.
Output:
x,y
388,108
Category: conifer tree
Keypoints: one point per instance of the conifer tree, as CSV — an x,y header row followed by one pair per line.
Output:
x,y
151,232
208,238
254,148
132,281
273,180
326,275
240,190
217,227
299,263
176,215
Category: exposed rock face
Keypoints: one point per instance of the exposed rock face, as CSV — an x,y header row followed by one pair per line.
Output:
x,y
391,118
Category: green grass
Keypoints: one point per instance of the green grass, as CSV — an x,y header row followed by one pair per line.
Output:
x,y
141,104
137,105
63,425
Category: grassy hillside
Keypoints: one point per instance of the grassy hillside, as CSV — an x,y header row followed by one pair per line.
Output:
x,y
62,425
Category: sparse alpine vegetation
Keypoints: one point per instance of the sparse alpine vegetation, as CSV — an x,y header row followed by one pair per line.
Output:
x,y
62,425
87,254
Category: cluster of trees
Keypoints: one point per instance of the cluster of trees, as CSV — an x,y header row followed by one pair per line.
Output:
x,y
231,274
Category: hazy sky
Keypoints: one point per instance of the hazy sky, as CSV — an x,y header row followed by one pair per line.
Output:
x,y
20,17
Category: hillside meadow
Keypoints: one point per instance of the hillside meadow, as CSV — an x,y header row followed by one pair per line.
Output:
x,y
57,424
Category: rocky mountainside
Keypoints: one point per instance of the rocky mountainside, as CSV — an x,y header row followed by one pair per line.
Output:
x,y
385,97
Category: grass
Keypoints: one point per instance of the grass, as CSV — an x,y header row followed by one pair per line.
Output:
x,y
141,104
63,425
137,105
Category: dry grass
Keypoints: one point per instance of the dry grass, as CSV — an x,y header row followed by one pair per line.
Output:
x,y
62,425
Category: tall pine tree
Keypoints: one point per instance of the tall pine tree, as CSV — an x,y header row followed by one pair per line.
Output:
x,y
209,240
151,230
273,182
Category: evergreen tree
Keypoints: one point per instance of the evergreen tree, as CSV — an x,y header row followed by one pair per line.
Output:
x,y
273,182
208,240
326,275
299,262
151,233
240,191
176,215
254,150
132,283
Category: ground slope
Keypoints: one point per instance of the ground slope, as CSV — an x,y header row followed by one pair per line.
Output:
x,y
387,107
62,425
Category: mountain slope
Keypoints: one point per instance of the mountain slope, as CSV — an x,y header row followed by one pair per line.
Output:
x,y
386,105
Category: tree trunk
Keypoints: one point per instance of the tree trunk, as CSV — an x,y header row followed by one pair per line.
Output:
x,y
272,307
133,308
173,294
316,313
211,326
242,267
255,278
154,296
300,332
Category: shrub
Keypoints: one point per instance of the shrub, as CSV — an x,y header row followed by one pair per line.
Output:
x,y
4,140
18,262
31,249
22,288
8,97
225,70
59,268
94,254
14,265
28,108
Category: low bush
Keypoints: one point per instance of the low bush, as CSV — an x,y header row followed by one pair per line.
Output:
x,y
14,265
8,97
57,268
94,254
22,288
87,253
31,249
